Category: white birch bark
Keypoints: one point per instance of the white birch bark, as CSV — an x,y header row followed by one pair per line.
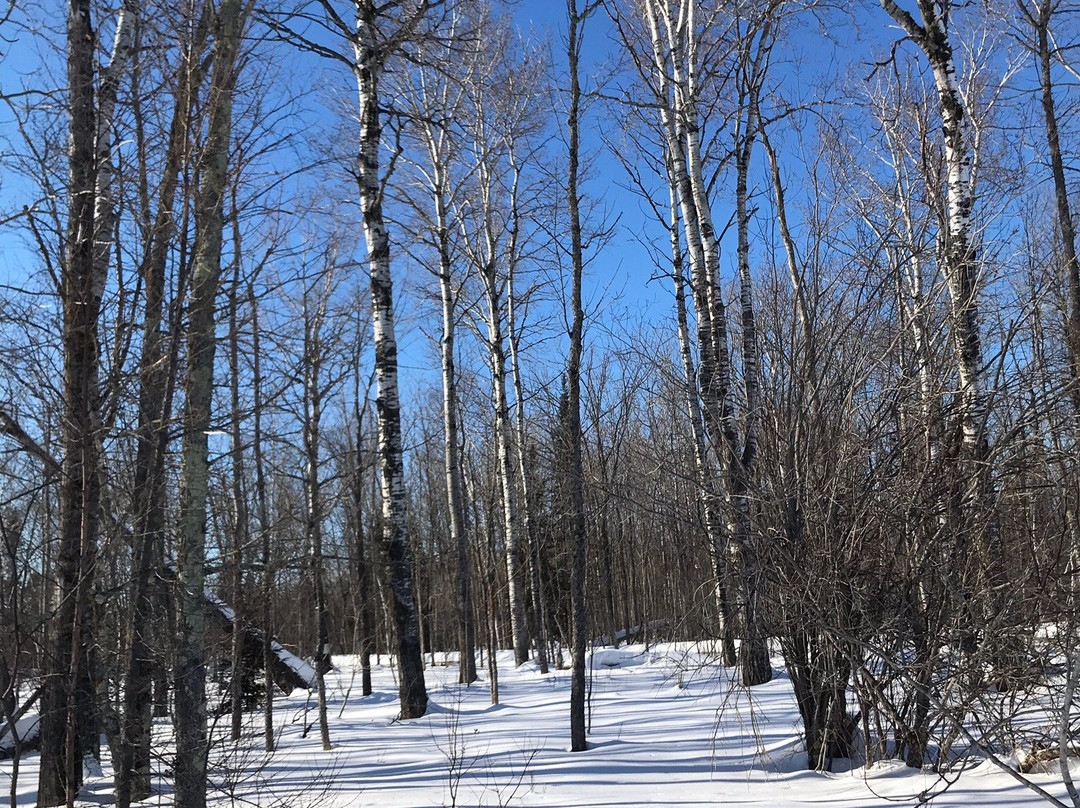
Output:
x,y
486,243
673,37
705,473
504,460
105,215
960,264
514,340
370,61
437,103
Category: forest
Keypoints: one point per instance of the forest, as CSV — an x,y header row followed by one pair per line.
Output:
x,y
423,330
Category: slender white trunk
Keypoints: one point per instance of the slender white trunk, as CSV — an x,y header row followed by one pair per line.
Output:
x,y
313,357
959,259
504,458
451,449
523,475
673,41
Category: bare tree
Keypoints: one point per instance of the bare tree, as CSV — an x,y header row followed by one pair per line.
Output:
x,y
498,121
960,259
67,726
579,537
190,713
437,101
312,362
669,55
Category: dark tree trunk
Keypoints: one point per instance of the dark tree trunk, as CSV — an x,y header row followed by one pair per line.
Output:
x,y
579,537
157,376
67,702
313,356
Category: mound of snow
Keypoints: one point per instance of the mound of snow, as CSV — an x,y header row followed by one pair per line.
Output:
x,y
618,658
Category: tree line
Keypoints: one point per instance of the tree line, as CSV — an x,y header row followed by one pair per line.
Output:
x,y
849,438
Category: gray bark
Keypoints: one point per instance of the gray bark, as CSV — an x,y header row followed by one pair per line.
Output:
x,y
240,524
365,604
66,704
263,506
157,376
190,677
313,357
1040,18
528,524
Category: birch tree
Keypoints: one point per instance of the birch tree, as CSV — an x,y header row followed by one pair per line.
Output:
x,y
381,34
669,54
501,119
959,255
437,100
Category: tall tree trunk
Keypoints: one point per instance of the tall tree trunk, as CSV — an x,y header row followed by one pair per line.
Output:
x,y
436,141
365,611
514,339
959,264
239,499
529,524
262,503
313,354
451,449
706,477
1044,54
578,535
67,701
754,652
190,713
674,60
504,456
157,378
370,62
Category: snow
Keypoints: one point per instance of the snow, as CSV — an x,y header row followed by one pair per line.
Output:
x,y
27,728
301,667
225,609
668,728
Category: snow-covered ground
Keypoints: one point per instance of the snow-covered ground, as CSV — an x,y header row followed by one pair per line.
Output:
x,y
667,730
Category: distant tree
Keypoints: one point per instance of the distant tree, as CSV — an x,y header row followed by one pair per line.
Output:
x,y
437,97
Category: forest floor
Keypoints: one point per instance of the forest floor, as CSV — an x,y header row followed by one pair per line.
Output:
x,y
667,729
